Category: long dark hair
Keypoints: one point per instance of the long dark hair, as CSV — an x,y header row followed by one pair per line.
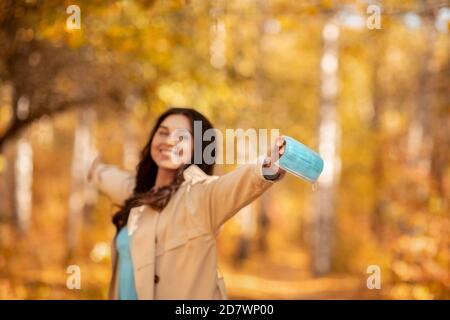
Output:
x,y
144,192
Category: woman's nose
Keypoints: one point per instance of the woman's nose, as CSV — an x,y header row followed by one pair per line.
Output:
x,y
172,139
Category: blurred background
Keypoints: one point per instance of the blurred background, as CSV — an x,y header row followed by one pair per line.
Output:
x,y
370,92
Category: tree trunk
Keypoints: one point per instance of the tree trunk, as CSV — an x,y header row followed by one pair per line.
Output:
x,y
23,182
419,138
379,203
81,192
329,136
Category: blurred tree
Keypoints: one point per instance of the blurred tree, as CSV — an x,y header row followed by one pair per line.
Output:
x,y
329,139
81,198
53,68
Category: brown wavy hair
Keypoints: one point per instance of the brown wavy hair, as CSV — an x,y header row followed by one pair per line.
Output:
x,y
145,192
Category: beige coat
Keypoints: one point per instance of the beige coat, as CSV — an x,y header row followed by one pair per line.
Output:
x,y
174,252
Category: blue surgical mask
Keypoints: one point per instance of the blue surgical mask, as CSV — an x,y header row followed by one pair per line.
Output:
x,y
301,161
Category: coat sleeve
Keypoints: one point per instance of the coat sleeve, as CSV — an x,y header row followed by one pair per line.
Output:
x,y
115,183
220,198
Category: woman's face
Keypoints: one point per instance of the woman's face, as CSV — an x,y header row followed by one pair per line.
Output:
x,y
173,142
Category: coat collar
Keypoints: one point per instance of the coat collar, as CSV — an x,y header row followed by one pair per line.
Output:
x,y
194,174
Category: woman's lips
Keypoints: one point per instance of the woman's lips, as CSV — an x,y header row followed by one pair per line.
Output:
x,y
167,152
171,154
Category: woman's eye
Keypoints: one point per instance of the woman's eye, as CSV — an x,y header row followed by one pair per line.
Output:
x,y
181,135
163,133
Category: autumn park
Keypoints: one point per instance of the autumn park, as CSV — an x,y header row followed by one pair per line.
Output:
x,y
364,83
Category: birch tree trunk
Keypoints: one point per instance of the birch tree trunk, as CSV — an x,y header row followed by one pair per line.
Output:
x,y
81,193
329,136
23,183
23,168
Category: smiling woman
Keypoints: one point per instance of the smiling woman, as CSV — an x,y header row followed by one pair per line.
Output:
x,y
171,212
172,145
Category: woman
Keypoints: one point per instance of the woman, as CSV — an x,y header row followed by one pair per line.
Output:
x,y
165,245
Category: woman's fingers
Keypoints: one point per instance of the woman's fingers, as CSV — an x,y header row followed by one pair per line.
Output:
x,y
280,141
282,145
274,154
278,149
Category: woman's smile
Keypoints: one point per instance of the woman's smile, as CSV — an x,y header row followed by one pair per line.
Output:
x,y
172,145
167,152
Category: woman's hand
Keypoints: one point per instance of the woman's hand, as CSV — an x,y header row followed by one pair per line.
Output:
x,y
271,170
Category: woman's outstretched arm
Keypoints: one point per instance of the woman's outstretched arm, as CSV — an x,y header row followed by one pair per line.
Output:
x,y
117,184
220,198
